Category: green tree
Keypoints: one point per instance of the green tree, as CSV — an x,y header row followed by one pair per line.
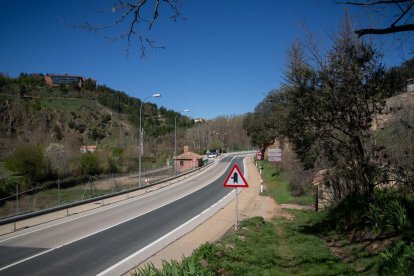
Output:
x,y
28,161
96,134
267,121
58,133
89,164
90,84
332,108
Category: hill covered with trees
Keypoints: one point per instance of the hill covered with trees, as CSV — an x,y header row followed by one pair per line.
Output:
x,y
35,116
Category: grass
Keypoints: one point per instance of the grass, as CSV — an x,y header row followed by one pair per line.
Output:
x,y
278,247
3,171
67,105
50,198
278,186
303,245
303,252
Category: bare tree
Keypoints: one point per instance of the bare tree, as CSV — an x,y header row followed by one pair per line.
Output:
x,y
133,20
396,15
224,132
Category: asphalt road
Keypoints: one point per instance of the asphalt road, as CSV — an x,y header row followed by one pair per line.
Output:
x,y
74,247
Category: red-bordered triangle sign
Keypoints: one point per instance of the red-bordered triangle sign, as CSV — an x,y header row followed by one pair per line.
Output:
x,y
235,179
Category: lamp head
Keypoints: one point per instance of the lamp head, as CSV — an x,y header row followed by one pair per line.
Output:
x,y
157,95
186,110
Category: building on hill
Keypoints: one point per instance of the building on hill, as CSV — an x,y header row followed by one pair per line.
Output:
x,y
187,161
56,79
409,85
85,149
199,120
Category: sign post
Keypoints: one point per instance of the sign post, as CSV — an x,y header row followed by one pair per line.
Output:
x,y
236,224
275,155
235,180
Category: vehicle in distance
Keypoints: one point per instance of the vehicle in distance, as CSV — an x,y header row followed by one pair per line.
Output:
x,y
212,155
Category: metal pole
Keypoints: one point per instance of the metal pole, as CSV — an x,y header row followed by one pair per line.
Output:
x,y
175,141
175,137
237,211
141,143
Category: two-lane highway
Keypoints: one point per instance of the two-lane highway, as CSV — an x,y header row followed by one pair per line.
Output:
x,y
89,244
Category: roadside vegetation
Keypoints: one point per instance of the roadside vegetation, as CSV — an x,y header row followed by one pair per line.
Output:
x,y
348,239
344,117
278,186
43,128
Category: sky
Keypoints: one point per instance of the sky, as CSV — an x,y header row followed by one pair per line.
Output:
x,y
222,59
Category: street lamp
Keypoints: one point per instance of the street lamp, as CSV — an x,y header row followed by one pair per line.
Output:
x,y
141,145
175,135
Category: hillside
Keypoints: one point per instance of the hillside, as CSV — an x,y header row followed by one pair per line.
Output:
x,y
32,113
72,122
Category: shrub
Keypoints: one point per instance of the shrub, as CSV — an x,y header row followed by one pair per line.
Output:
x,y
28,161
399,259
187,266
89,164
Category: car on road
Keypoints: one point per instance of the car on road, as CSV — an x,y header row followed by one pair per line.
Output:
x,y
212,155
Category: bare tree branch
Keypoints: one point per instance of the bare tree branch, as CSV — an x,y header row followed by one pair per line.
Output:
x,y
373,3
395,29
132,13
393,11
402,14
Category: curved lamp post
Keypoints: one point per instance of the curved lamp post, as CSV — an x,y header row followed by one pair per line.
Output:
x,y
141,145
175,135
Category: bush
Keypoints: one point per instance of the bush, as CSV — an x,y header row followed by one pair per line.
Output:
x,y
89,164
28,161
112,166
387,213
187,266
399,259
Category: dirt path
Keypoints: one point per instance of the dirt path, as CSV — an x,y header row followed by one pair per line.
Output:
x,y
250,204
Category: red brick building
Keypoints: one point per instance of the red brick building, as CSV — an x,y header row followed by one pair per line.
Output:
x,y
187,161
55,79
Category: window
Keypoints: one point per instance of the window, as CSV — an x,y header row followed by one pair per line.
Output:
x,y
181,163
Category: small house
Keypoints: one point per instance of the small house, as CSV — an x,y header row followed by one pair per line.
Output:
x,y
187,161
85,149
409,85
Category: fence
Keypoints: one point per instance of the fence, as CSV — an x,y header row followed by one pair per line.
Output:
x,y
56,194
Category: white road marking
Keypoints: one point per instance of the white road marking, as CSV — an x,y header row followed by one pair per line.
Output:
x,y
94,233
120,263
159,239
108,207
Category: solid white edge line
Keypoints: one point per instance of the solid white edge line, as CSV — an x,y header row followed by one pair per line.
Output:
x,y
105,208
91,234
159,239
166,235
86,236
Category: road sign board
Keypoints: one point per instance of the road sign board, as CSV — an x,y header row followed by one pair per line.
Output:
x,y
259,155
235,179
275,152
274,155
274,158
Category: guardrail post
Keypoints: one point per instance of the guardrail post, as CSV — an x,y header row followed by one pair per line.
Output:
x,y
59,191
17,199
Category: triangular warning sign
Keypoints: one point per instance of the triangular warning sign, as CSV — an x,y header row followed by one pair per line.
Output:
x,y
235,179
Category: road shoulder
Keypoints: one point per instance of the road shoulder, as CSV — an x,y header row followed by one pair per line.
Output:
x,y
250,204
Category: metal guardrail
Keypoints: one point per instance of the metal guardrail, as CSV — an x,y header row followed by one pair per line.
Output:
x,y
24,216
